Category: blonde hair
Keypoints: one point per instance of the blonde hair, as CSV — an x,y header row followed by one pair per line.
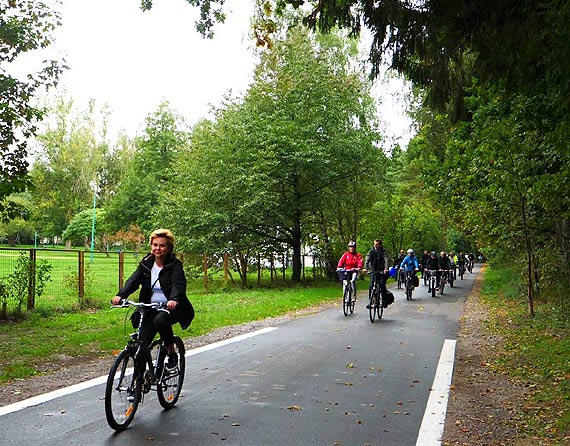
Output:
x,y
166,233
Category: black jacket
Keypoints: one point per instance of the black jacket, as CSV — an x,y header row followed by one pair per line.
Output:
x,y
377,261
444,263
432,263
172,281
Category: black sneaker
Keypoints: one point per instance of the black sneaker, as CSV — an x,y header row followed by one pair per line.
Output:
x,y
368,306
172,362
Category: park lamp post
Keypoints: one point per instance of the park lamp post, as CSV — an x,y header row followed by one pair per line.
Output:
x,y
93,185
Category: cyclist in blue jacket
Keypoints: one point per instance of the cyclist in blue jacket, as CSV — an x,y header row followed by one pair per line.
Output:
x,y
410,262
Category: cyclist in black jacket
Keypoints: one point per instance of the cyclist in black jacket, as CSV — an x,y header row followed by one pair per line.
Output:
x,y
444,264
432,264
377,262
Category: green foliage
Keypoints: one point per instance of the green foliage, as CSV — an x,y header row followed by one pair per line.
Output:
x,y
211,13
536,352
71,156
25,25
79,230
16,231
291,160
148,172
15,286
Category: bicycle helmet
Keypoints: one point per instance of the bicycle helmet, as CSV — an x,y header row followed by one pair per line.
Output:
x,y
410,251
433,254
351,244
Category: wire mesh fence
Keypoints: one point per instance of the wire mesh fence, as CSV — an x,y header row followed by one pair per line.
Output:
x,y
48,280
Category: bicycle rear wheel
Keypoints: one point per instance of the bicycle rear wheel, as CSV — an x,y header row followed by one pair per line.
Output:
x,y
123,391
170,383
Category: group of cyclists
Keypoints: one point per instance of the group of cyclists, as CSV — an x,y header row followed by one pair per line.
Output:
x,y
377,264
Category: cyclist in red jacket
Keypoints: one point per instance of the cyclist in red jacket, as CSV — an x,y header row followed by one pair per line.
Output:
x,y
351,260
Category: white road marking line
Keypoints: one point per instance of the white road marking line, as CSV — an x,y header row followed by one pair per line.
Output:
x,y
40,399
433,422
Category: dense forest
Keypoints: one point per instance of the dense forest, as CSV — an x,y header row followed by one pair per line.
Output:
x,y
298,163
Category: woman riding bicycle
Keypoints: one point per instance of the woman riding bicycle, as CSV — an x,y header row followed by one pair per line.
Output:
x,y
351,260
410,263
161,278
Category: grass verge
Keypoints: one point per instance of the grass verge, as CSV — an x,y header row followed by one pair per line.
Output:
x,y
27,346
536,354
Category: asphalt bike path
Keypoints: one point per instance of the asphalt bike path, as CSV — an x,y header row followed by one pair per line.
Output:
x,y
323,379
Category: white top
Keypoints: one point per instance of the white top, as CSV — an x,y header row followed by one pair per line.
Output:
x,y
157,294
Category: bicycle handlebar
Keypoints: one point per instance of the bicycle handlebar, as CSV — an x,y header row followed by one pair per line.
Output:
x,y
125,303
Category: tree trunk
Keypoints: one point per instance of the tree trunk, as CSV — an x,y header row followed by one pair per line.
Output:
x,y
330,262
296,246
528,247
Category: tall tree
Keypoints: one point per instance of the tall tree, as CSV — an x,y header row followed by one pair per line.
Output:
x,y
299,146
148,172
25,26
70,157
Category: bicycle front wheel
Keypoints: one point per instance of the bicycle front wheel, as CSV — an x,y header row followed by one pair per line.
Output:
x,y
371,309
170,384
409,290
352,300
123,391
346,300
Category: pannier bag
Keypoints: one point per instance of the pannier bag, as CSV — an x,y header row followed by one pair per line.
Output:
x,y
387,299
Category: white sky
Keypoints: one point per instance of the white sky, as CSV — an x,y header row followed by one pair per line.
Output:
x,y
132,60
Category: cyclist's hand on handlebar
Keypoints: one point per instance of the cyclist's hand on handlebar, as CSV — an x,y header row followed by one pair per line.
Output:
x,y
116,300
171,305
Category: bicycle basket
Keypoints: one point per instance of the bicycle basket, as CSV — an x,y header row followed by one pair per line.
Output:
x,y
345,275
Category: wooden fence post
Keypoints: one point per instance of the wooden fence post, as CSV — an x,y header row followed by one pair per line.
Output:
x,y
258,271
81,276
205,271
32,281
121,269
